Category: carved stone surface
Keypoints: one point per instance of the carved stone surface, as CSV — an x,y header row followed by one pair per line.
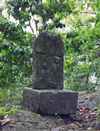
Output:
x,y
48,54
50,101
47,96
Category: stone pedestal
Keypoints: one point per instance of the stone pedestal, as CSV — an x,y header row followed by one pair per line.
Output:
x,y
50,102
47,95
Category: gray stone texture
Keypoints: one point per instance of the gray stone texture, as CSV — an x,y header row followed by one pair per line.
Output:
x,y
46,95
50,102
28,121
48,54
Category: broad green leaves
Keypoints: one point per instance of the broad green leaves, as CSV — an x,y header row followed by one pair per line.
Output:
x,y
81,41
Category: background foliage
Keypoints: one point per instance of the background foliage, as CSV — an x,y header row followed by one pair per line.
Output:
x,y
78,23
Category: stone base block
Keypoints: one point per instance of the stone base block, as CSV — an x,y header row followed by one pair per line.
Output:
x,y
50,102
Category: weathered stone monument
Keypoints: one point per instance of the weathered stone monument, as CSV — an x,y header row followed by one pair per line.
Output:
x,y
47,95
48,62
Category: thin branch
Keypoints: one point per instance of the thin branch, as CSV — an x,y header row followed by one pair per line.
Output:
x,y
87,12
31,27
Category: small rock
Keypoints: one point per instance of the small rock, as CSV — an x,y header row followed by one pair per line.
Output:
x,y
89,129
97,127
91,104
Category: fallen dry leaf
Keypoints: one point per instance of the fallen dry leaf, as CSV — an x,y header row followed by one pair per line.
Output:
x,y
7,121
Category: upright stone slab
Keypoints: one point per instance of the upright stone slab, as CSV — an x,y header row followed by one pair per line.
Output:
x,y
47,95
48,54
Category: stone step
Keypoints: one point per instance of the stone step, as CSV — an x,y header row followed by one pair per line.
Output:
x,y
50,102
